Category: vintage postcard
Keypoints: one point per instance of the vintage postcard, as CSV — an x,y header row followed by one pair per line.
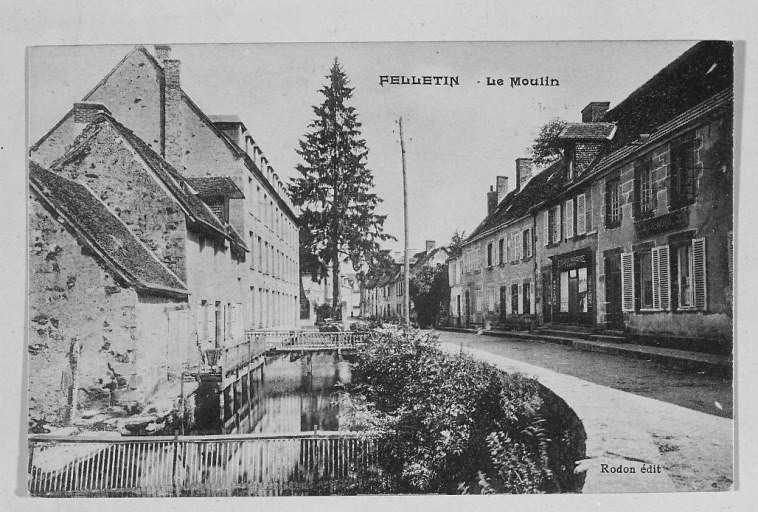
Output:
x,y
418,268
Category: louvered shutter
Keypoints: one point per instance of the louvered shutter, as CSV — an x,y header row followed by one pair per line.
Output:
x,y
558,224
547,227
656,263
517,246
581,215
627,281
532,292
569,219
699,273
664,278
520,298
509,255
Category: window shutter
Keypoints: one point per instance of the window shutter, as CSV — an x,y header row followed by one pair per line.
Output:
x,y
547,227
509,253
581,215
558,224
199,321
520,299
627,281
517,246
664,278
570,218
655,253
531,299
698,271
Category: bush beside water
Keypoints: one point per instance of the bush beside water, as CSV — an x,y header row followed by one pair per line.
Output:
x,y
452,424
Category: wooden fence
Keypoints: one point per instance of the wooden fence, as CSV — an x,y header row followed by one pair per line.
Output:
x,y
222,465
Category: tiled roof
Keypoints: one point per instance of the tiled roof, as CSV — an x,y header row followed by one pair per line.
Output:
x,y
104,232
196,209
210,186
516,205
429,255
588,131
724,99
696,75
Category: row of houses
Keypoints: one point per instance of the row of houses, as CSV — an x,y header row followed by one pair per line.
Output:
x,y
156,232
629,229
384,295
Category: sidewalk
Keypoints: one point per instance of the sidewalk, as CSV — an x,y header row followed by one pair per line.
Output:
x,y
666,356
693,450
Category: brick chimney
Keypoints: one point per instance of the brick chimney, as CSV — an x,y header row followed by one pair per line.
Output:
x,y
162,52
491,200
86,111
172,116
594,112
523,172
430,246
502,188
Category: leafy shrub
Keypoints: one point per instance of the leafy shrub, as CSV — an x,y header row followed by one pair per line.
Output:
x,y
449,423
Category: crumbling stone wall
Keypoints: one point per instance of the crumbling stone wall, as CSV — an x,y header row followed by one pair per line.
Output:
x,y
73,299
120,179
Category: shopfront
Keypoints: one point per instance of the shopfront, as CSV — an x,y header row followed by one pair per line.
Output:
x,y
573,288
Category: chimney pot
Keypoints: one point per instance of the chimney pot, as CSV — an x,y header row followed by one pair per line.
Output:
x,y
491,200
86,111
594,112
523,172
502,188
430,245
162,52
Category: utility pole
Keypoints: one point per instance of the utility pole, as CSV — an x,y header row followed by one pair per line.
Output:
x,y
406,291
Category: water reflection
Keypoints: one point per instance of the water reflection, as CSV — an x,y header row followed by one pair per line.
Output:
x,y
296,394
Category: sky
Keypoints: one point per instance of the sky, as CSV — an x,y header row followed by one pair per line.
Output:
x,y
457,139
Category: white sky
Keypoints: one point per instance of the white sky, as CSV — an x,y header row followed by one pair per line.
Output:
x,y
457,139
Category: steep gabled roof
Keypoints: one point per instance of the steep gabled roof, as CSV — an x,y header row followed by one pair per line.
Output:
x,y
194,208
427,256
96,226
516,205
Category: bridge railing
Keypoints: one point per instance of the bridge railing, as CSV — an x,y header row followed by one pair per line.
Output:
x,y
223,465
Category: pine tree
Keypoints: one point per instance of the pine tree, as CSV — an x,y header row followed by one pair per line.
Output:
x,y
334,189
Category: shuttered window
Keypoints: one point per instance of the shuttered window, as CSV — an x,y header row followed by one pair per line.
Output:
x,y
581,214
569,219
661,278
627,281
509,256
500,249
698,270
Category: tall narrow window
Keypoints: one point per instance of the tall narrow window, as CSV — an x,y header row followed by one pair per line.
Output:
x,y
684,275
612,203
489,254
683,182
645,279
514,298
644,191
527,243
500,248
527,297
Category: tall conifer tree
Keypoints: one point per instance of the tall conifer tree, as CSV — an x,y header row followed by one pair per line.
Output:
x,y
334,189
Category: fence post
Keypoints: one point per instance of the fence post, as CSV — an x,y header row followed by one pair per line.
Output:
x,y
173,468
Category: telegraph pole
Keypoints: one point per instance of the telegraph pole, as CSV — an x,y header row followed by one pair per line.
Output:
x,y
406,291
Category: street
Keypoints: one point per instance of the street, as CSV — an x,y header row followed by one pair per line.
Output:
x,y
636,415
700,392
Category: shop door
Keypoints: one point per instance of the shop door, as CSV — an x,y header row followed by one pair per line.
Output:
x,y
615,317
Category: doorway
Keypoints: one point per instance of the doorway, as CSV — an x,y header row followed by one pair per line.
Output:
x,y
614,314
468,307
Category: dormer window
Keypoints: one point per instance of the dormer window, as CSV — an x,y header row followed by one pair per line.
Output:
x,y
570,162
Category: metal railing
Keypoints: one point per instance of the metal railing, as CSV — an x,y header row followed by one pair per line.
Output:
x,y
223,465
308,340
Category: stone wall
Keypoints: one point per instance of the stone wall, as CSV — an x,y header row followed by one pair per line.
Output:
x,y
73,299
122,181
